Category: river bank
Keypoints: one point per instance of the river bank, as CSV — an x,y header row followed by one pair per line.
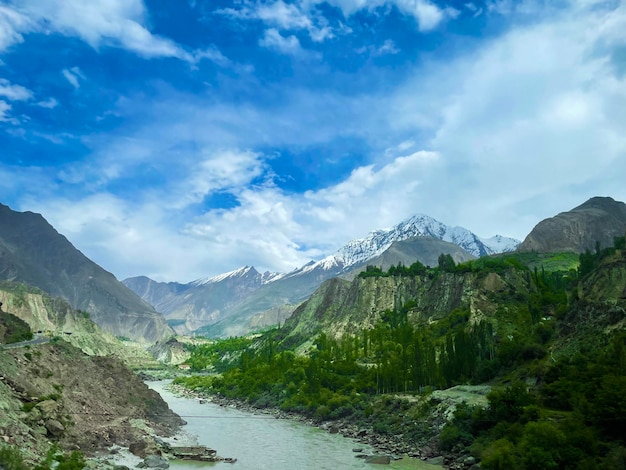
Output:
x,y
380,444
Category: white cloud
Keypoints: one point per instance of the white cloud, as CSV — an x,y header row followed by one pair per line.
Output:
x,y
228,170
284,17
387,48
72,75
538,111
5,109
50,103
100,23
272,39
12,25
427,14
14,92
303,14
527,125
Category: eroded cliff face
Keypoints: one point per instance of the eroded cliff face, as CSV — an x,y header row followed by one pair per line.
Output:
x,y
54,393
608,283
55,317
339,307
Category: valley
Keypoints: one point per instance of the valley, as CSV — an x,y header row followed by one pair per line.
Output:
x,y
506,360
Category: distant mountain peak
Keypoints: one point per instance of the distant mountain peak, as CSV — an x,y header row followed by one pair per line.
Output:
x,y
360,250
237,273
378,241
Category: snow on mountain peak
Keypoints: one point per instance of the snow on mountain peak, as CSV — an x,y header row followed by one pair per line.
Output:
x,y
362,249
239,272
244,271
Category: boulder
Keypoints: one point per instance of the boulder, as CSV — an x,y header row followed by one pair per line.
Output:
x,y
54,428
138,448
48,408
156,461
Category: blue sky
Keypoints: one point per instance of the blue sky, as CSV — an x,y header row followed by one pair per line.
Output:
x,y
184,139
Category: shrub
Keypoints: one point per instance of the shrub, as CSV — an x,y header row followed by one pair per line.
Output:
x,y
500,455
11,459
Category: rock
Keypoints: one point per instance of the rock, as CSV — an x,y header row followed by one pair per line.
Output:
x,y
435,460
156,461
54,428
469,460
138,448
48,408
357,449
198,453
379,459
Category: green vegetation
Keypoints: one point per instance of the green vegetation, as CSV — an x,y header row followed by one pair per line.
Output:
x,y
217,356
574,417
11,459
13,329
575,420
339,376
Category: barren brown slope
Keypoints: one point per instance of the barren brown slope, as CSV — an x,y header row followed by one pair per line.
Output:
x,y
53,393
600,219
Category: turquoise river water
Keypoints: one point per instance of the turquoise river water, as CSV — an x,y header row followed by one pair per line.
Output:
x,y
260,441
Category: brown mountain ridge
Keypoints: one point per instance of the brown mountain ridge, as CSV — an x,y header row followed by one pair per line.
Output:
x,y
598,220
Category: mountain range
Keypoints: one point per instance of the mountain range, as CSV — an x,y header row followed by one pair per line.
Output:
x,y
228,304
34,253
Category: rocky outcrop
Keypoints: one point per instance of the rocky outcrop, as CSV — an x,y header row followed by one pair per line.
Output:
x,y
54,317
599,220
340,307
53,393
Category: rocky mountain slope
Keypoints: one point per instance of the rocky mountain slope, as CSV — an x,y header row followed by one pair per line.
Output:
x,y
33,252
55,394
213,308
55,317
188,307
341,307
600,219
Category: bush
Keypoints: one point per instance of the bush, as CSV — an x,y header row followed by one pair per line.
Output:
x,y
11,459
500,455
541,445
451,435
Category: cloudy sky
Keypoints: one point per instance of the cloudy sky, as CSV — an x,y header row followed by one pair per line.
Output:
x,y
182,139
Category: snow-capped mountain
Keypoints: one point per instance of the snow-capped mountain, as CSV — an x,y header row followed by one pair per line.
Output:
x,y
223,305
360,250
240,273
190,306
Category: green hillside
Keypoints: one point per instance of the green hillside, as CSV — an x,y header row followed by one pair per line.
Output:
x,y
548,343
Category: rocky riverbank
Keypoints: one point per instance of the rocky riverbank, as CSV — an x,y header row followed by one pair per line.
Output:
x,y
394,446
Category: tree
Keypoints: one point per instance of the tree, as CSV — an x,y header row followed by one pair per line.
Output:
x,y
446,263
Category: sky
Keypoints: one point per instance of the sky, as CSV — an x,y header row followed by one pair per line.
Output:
x,y
184,139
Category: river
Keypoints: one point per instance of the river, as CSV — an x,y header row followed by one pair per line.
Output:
x,y
260,441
